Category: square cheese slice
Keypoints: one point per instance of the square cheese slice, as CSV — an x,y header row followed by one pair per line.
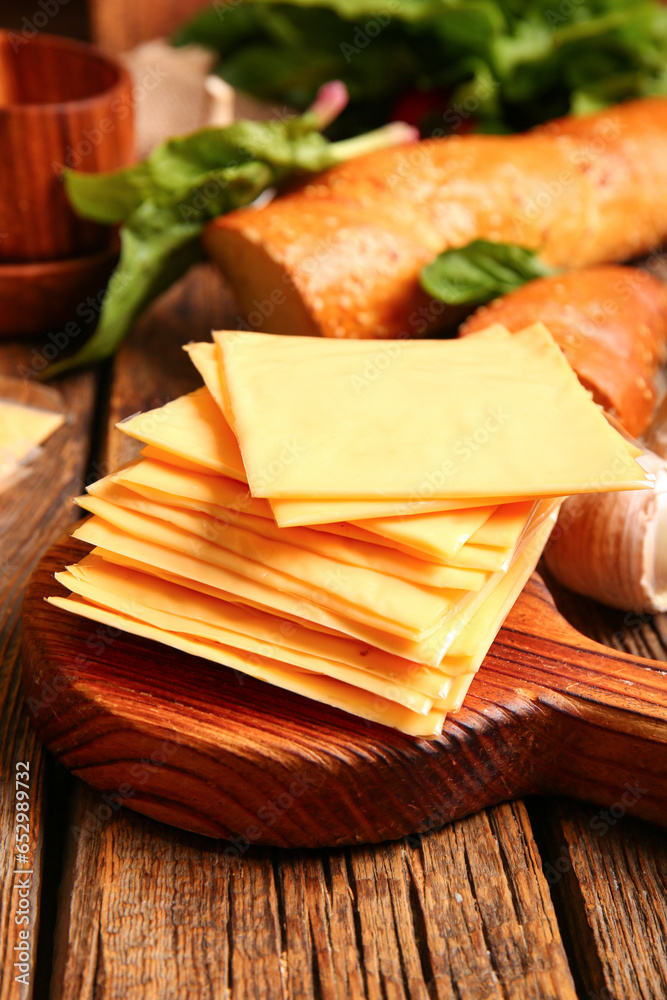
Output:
x,y
442,420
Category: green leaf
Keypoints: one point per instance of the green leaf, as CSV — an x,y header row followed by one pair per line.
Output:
x,y
110,197
165,202
535,52
159,242
148,266
480,271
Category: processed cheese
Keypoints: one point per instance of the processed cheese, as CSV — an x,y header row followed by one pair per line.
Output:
x,y
178,568
190,427
370,556
131,592
504,529
439,535
204,357
171,484
159,455
376,683
294,513
510,421
212,630
22,430
213,494
389,613
382,602
314,686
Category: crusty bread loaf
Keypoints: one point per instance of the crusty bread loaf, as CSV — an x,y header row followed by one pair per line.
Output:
x,y
340,256
610,321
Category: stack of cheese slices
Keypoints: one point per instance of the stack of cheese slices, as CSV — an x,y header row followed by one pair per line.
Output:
x,y
349,520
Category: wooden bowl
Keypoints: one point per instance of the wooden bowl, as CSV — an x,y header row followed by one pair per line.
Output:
x,y
59,296
62,103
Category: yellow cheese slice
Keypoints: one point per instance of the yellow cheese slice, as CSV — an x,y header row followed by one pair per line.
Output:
x,y
381,602
474,641
137,553
505,527
441,423
371,555
314,686
297,513
480,633
346,550
205,360
118,547
214,495
190,427
131,592
22,430
159,455
481,557
169,621
222,452
440,534
171,484
190,433
436,649
204,357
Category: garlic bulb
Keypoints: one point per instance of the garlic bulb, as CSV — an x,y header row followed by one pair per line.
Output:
x,y
613,546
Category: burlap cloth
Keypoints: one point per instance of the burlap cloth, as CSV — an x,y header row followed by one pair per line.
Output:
x,y
175,93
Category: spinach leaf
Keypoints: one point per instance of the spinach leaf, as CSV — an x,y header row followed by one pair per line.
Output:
x,y
539,59
480,271
164,203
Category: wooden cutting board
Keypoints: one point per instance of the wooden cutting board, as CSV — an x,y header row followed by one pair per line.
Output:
x,y
208,750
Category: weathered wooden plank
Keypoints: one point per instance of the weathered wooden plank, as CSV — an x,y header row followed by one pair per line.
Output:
x,y
608,876
608,873
32,513
146,911
459,913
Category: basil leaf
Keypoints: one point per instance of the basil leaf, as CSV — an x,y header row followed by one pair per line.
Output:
x,y
480,271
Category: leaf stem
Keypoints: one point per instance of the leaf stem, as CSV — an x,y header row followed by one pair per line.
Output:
x,y
394,134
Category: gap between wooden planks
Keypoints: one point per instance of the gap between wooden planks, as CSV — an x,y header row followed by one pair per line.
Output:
x,y
32,514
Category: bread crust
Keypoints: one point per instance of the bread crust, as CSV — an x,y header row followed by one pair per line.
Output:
x,y
611,323
340,255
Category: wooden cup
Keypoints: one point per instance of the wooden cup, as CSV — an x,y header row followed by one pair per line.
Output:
x,y
62,104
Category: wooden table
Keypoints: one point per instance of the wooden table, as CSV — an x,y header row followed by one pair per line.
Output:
x,y
537,899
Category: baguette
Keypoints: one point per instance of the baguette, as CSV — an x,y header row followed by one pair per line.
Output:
x,y
611,323
340,256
